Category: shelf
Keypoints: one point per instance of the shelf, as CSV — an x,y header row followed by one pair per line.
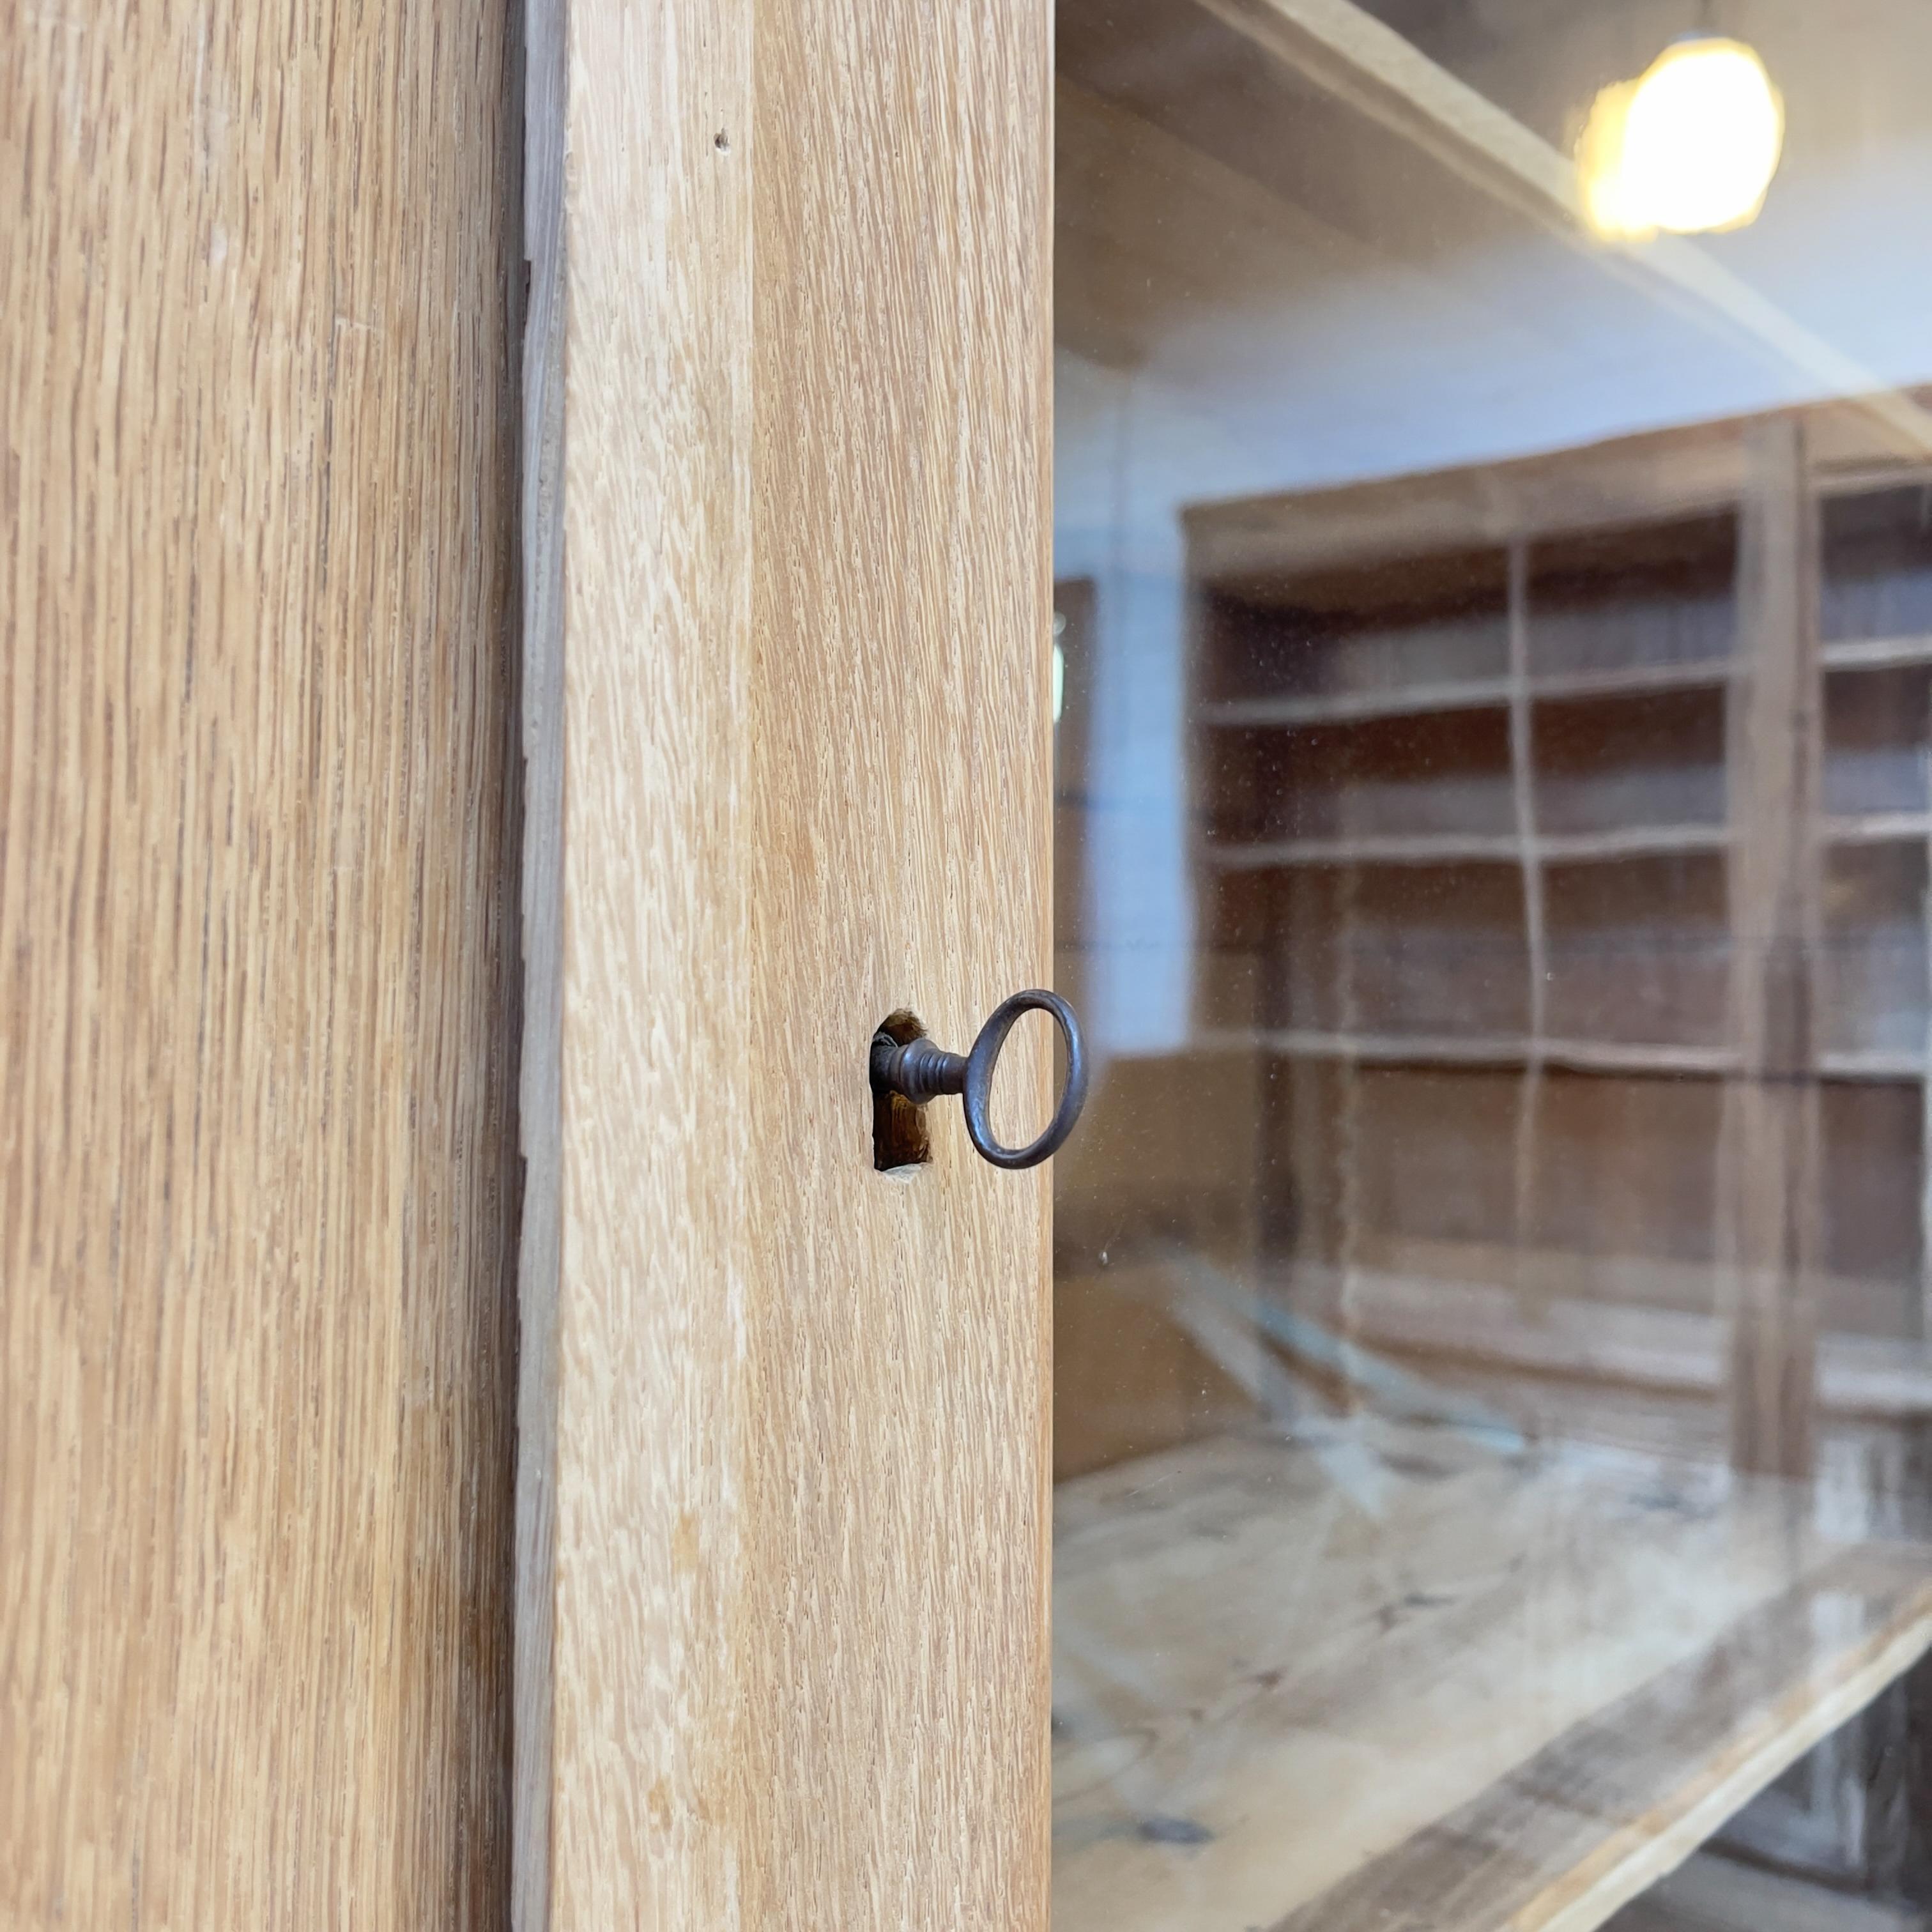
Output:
x,y
1384,1674
1584,1056
1424,848
1386,1049
1441,1050
1630,841
1878,828
1876,653
1463,848
1876,1064
1551,848
1470,694
1350,707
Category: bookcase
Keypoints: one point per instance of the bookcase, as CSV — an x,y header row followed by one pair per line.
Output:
x,y
1561,849
1543,1182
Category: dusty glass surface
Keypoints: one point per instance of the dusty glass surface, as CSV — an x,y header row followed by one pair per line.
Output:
x,y
1493,531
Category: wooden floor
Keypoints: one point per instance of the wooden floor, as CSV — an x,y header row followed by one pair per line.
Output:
x,y
1396,1679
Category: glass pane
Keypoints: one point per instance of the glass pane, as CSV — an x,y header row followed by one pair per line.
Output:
x,y
1493,528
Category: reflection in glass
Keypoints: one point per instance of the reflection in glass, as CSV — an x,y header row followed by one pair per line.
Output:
x,y
1691,145
1492,822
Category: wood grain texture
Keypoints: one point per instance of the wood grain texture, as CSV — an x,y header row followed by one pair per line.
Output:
x,y
796,1577
257,1010
1383,1677
539,1097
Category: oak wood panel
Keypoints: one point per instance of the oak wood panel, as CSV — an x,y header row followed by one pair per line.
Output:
x,y
257,1008
1385,1675
540,1071
796,1672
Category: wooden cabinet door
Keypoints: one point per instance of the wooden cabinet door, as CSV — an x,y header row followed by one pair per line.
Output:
x,y
259,285
782,1511
766,1520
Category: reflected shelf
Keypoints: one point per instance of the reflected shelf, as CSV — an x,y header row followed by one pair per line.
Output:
x,y
1877,828
1544,848
1453,848
1585,1056
1349,707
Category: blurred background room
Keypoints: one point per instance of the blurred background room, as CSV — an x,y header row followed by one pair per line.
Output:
x,y
1493,538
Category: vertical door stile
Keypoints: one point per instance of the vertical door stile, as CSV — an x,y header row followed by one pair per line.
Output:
x,y
784,1502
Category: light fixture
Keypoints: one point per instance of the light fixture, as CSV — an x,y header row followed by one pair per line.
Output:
x,y
1690,146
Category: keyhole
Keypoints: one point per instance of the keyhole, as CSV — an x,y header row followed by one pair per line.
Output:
x,y
899,1136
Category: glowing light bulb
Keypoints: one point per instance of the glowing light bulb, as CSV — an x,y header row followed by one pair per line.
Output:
x,y
1690,146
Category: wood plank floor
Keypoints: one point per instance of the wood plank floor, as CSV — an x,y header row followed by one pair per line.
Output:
x,y
1387,1677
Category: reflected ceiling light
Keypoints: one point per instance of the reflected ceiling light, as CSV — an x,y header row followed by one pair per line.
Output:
x,y
1689,147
